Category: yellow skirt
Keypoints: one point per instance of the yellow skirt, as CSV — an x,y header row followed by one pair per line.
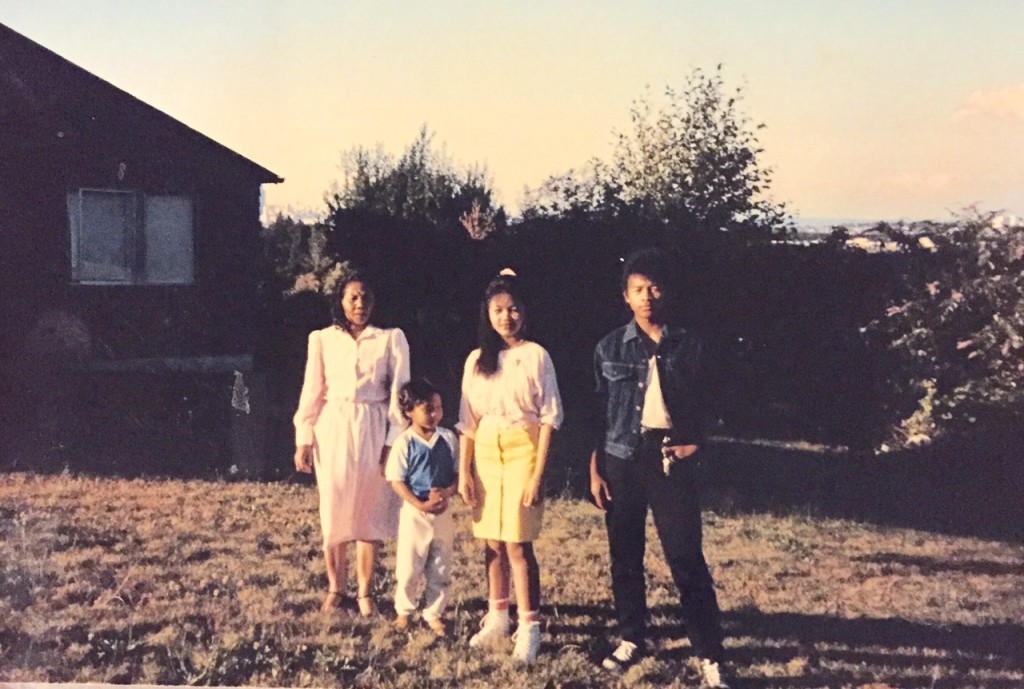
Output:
x,y
505,459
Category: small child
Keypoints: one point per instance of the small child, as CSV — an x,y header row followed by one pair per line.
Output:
x,y
423,469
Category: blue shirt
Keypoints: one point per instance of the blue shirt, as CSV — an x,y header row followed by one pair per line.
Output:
x,y
620,375
424,464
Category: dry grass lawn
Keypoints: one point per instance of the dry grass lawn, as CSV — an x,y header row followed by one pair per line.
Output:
x,y
195,582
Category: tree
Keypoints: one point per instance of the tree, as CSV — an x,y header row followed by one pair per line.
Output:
x,y
296,254
423,185
692,163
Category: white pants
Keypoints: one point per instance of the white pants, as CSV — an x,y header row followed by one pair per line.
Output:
x,y
424,546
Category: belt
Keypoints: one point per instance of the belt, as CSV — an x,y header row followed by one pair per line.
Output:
x,y
654,433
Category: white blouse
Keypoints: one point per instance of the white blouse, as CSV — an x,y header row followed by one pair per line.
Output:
x,y
370,369
524,390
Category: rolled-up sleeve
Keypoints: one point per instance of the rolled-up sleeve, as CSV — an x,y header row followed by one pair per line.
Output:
x,y
399,375
311,399
549,404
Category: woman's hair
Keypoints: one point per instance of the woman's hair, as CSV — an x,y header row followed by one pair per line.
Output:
x,y
337,311
491,343
416,391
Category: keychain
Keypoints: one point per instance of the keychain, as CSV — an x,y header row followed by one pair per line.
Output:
x,y
667,456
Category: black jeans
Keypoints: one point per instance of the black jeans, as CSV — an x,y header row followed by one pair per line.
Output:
x,y
635,485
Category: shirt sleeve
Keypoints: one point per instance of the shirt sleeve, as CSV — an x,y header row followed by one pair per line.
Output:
x,y
399,376
549,404
311,399
469,418
398,461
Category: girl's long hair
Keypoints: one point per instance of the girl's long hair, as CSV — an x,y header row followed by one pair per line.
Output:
x,y
337,311
491,343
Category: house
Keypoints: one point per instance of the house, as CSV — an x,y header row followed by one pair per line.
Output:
x,y
129,242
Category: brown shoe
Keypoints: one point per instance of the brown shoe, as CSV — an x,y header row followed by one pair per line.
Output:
x,y
437,626
333,601
402,623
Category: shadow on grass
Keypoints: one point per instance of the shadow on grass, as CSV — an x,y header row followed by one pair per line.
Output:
x,y
830,651
959,487
948,651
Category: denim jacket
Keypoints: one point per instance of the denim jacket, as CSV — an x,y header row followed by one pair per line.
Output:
x,y
620,374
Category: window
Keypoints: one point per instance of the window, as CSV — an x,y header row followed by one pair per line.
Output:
x,y
125,237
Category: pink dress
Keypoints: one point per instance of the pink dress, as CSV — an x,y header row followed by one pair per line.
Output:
x,y
348,411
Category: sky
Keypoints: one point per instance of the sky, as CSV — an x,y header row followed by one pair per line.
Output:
x,y
894,109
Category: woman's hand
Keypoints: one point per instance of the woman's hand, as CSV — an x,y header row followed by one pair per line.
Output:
x,y
533,494
304,459
467,489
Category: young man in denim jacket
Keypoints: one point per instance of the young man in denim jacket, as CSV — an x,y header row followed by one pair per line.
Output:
x,y
647,440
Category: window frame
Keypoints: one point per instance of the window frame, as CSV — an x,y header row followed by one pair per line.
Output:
x,y
136,241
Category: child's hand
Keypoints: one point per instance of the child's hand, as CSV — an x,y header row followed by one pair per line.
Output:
x,y
533,492
434,504
442,504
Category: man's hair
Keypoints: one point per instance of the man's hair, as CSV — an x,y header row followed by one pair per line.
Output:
x,y
416,391
652,263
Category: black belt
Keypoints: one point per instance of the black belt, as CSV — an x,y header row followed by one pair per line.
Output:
x,y
654,433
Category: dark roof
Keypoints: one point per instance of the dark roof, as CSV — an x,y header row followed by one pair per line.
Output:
x,y
40,90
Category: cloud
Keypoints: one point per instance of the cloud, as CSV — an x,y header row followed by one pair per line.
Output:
x,y
1007,103
915,183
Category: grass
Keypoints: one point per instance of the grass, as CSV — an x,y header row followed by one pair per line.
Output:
x,y
199,582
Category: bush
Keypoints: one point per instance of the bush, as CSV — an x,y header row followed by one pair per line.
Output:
x,y
957,326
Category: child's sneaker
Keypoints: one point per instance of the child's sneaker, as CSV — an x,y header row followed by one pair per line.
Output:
x,y
436,626
493,626
527,639
625,655
402,623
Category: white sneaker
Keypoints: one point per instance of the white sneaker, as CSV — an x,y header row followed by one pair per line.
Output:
x,y
625,655
711,675
493,626
527,638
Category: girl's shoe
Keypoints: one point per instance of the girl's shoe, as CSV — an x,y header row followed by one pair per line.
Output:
x,y
365,604
527,639
493,627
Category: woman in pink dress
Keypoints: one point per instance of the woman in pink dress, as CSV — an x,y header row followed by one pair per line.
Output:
x,y
348,414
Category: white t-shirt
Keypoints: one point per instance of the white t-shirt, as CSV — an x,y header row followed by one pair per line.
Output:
x,y
654,414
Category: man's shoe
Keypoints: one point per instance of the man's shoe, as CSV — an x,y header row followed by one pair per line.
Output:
x,y
711,675
527,639
493,627
625,655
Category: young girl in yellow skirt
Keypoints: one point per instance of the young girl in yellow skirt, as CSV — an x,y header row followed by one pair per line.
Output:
x,y
510,407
